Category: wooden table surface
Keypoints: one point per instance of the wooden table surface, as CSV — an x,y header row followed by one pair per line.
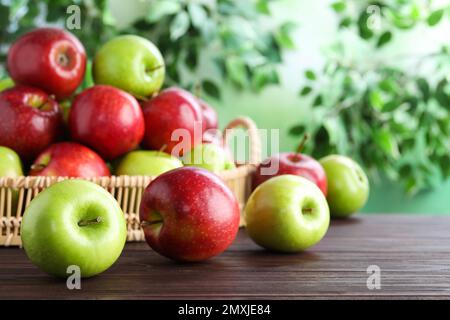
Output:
x,y
412,252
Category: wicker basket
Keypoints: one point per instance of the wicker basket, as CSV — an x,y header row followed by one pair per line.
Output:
x,y
126,189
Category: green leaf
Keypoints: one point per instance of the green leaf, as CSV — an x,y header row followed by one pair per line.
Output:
x,y
305,91
386,143
179,26
318,100
442,93
339,6
263,6
435,17
236,70
384,39
4,16
211,89
264,76
159,9
309,74
198,15
388,85
390,106
363,26
376,100
345,22
424,88
253,58
283,36
297,130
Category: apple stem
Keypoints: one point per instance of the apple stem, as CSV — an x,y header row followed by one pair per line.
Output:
x,y
198,90
307,210
302,143
149,223
161,150
154,68
84,223
38,167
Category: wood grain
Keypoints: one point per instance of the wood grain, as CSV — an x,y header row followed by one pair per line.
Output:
x,y
413,253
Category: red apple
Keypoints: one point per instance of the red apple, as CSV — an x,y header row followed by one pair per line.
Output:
x,y
209,116
29,120
189,214
291,163
173,109
51,59
107,119
69,159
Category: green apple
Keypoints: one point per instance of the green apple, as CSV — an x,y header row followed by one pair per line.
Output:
x,y
287,213
6,84
209,156
73,222
147,163
131,63
348,186
10,165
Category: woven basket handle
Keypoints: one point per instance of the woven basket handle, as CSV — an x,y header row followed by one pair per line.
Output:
x,y
252,131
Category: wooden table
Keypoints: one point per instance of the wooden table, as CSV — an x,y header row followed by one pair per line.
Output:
x,y
412,252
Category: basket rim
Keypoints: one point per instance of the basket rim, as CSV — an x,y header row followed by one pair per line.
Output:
x,y
107,181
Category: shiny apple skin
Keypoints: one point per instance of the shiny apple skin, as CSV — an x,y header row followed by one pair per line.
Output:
x,y
287,213
209,116
199,213
108,120
69,159
296,164
26,129
172,109
348,185
34,60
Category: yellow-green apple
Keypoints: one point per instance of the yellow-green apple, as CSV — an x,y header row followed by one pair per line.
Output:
x,y
107,119
294,163
51,59
73,223
10,167
147,163
348,186
131,63
173,119
287,213
10,164
30,120
209,156
6,84
189,214
69,159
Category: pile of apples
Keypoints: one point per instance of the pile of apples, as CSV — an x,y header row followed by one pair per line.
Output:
x,y
59,131
123,122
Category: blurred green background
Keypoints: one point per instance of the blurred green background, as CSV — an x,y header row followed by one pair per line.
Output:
x,y
366,78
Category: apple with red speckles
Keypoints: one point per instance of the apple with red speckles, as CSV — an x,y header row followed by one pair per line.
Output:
x,y
294,163
30,120
69,159
51,59
189,214
173,109
108,120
